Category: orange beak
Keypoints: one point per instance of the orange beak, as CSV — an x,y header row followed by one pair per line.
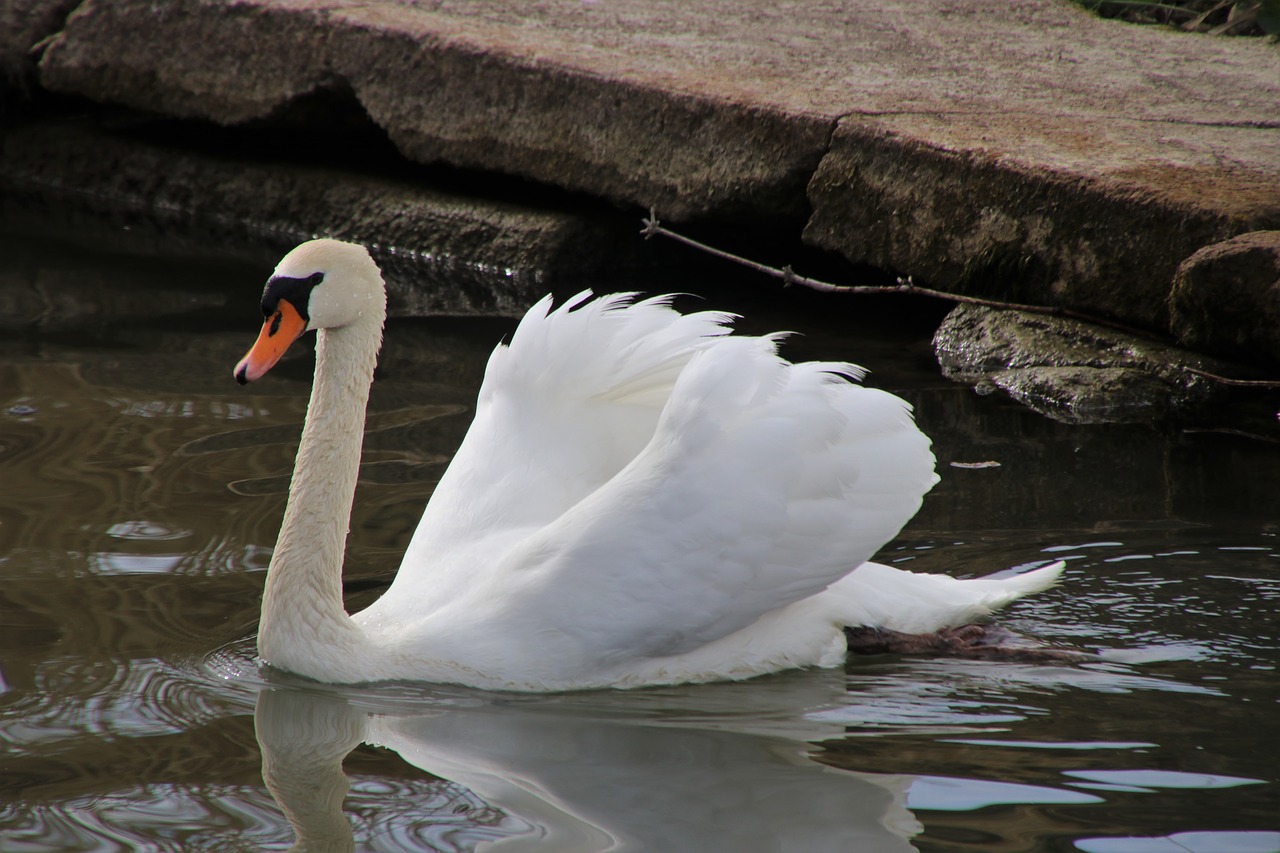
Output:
x,y
278,332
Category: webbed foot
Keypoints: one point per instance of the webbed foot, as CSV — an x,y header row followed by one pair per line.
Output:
x,y
981,642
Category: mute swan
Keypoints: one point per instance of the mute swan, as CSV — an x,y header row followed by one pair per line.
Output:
x,y
641,499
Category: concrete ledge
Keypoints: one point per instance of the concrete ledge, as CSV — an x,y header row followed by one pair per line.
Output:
x,y
448,87
970,222
1018,148
442,253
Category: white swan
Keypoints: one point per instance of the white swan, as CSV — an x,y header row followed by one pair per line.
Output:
x,y
641,499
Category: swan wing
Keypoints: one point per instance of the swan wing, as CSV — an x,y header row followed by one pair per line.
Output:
x,y
763,483
564,406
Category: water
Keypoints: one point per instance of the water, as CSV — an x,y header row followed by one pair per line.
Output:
x,y
141,491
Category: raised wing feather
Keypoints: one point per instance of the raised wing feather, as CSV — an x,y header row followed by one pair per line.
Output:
x,y
562,409
764,482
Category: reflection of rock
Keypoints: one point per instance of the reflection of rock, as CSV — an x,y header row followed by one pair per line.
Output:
x,y
69,295
1226,298
652,770
1070,370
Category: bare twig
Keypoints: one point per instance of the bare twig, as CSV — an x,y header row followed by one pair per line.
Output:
x,y
653,228
1242,383
1143,4
1236,22
1198,21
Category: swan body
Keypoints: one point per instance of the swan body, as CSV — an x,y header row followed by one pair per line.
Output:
x,y
641,499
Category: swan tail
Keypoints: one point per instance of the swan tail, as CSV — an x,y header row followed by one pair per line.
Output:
x,y
878,596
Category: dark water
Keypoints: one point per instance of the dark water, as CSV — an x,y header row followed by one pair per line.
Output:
x,y
140,494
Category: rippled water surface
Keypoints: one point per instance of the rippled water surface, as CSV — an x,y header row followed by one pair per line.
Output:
x,y
140,494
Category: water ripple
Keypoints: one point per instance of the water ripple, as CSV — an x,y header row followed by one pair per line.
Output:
x,y
420,814
158,817
109,699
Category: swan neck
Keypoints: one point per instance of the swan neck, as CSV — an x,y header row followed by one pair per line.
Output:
x,y
305,627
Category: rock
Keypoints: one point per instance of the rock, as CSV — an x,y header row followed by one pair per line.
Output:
x,y
24,24
1070,370
977,222
441,252
978,145
1090,395
1226,298
565,94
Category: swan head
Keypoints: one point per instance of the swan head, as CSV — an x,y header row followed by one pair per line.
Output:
x,y
321,284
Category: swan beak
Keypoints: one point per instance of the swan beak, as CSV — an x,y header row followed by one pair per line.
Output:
x,y
280,330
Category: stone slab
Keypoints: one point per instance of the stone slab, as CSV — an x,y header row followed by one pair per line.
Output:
x,y
441,253
980,145
479,86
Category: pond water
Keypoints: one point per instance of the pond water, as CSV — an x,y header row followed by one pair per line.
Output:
x,y
140,494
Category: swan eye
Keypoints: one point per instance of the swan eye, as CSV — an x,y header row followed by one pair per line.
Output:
x,y
295,291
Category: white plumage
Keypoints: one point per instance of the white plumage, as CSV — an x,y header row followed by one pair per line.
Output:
x,y
642,498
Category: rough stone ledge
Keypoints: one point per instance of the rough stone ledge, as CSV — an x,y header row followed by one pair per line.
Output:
x,y
442,253
474,92
968,223
1018,149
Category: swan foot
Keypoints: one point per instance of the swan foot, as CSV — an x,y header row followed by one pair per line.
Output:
x,y
982,642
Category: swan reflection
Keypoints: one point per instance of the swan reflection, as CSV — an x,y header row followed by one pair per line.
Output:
x,y
723,767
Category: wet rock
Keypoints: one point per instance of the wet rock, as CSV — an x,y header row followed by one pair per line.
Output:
x,y
441,252
565,94
1080,394
1029,152
1226,298
1070,370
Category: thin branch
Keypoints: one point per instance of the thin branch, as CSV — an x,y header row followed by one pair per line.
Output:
x,y
653,228
1237,23
1143,4
1198,21
1242,383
